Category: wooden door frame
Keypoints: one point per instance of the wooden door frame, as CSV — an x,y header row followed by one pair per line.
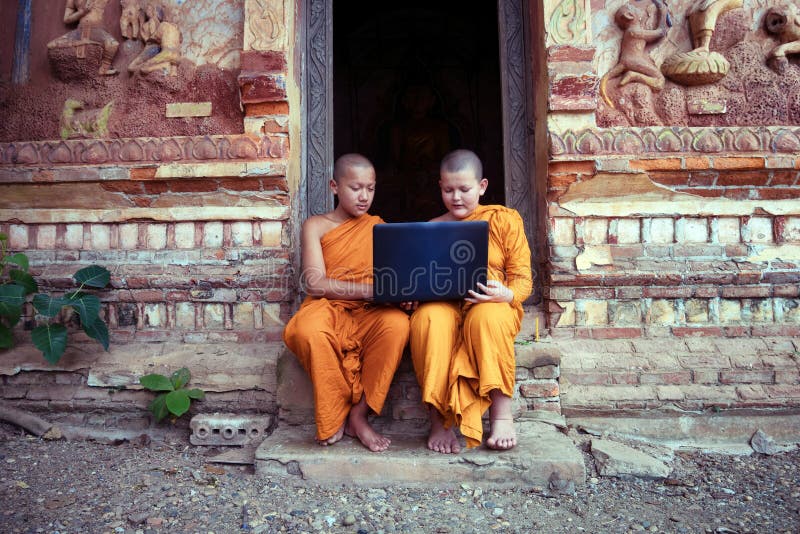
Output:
x,y
315,35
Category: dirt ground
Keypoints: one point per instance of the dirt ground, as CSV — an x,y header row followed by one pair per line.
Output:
x,y
87,487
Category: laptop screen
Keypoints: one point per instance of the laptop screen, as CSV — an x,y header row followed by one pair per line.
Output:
x,y
428,261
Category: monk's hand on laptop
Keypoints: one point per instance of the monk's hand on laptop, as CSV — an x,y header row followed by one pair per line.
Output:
x,y
493,291
409,305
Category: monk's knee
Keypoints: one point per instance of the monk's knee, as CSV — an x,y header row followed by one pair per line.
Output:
x,y
491,316
395,322
434,315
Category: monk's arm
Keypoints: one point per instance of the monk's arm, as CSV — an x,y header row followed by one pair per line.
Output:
x,y
518,258
314,276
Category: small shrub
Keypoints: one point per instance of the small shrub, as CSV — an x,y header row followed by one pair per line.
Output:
x,y
174,398
16,286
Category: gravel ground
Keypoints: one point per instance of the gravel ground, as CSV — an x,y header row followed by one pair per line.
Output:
x,y
86,487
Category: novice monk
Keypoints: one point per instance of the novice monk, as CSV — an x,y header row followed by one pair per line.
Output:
x,y
463,352
349,347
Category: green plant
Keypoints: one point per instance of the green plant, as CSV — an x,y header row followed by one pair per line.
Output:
x,y
175,397
16,285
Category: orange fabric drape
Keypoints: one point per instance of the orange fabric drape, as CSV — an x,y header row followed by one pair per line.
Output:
x,y
348,347
463,351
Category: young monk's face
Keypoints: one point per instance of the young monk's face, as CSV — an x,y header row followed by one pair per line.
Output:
x,y
461,192
356,190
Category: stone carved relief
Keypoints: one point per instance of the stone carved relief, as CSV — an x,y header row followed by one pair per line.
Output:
x,y
266,29
701,65
568,23
750,94
79,122
655,141
162,40
635,63
87,48
144,150
784,22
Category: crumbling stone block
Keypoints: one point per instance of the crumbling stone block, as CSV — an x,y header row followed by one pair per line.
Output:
x,y
229,429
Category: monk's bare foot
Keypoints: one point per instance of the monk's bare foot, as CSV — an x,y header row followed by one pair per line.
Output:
x,y
358,427
333,439
503,434
442,439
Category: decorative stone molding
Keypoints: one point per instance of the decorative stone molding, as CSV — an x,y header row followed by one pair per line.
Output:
x,y
265,25
144,149
568,21
661,140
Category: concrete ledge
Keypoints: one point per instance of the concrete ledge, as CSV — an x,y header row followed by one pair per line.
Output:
x,y
544,455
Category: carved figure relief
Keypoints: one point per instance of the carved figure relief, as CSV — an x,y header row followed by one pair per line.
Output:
x,y
701,66
734,75
162,51
70,53
129,18
784,22
80,123
635,63
264,24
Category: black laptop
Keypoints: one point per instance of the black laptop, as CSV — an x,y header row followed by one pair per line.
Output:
x,y
427,261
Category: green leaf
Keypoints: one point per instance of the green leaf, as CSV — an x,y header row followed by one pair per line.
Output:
x,y
11,313
196,394
47,305
180,378
97,330
156,382
93,276
23,279
3,237
178,402
87,306
51,339
6,339
20,259
12,297
158,407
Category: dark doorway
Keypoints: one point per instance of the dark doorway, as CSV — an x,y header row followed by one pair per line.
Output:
x,y
412,81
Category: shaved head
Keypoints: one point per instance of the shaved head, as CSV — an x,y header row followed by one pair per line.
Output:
x,y
347,162
462,160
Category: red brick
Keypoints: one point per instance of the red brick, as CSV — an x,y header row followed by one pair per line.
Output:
x,y
571,167
120,186
586,378
193,186
626,251
562,53
143,173
658,164
562,180
746,292
675,378
706,292
739,194
573,93
258,61
548,406
703,178
693,163
624,378
783,178
539,390
746,377
781,278
55,393
786,291
736,331
685,331
616,333
742,178
240,184
739,163
147,296
791,376
594,293
669,178
262,87
261,109
667,292
783,390
736,251
703,191
13,392
156,187
776,330
777,193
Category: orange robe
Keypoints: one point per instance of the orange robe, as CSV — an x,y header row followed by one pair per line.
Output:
x,y
462,351
348,347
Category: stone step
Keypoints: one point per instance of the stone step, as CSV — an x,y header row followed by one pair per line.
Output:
x,y
544,458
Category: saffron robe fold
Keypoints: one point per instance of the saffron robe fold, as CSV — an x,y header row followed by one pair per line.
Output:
x,y
461,351
348,347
